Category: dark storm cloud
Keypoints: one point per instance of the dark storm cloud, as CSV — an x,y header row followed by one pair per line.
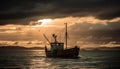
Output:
x,y
96,32
11,10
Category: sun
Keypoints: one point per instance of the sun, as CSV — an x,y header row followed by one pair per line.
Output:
x,y
45,21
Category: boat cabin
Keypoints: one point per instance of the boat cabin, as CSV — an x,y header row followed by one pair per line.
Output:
x,y
57,46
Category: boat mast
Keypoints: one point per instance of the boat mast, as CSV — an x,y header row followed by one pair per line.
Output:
x,y
66,34
46,38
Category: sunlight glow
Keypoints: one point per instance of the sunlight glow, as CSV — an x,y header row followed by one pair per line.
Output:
x,y
45,21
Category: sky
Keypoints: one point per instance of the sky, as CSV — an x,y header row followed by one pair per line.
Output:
x,y
89,21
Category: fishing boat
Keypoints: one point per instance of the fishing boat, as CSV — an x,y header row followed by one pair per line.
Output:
x,y
57,49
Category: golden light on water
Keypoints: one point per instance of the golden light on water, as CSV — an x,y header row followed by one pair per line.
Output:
x,y
45,22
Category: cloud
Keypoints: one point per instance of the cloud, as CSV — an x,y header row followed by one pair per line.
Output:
x,y
23,11
95,32
79,28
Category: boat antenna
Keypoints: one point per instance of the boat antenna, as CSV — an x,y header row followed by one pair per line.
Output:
x,y
66,34
55,36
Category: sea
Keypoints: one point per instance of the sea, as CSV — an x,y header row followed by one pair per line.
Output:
x,y
36,59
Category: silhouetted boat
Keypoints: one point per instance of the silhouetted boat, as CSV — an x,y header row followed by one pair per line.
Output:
x,y
57,49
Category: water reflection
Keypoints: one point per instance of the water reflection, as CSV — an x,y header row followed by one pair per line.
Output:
x,y
35,59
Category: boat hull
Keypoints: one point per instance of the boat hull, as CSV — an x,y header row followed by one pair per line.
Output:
x,y
67,53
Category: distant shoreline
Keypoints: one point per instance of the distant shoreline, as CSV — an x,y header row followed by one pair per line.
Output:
x,y
102,49
19,48
42,48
